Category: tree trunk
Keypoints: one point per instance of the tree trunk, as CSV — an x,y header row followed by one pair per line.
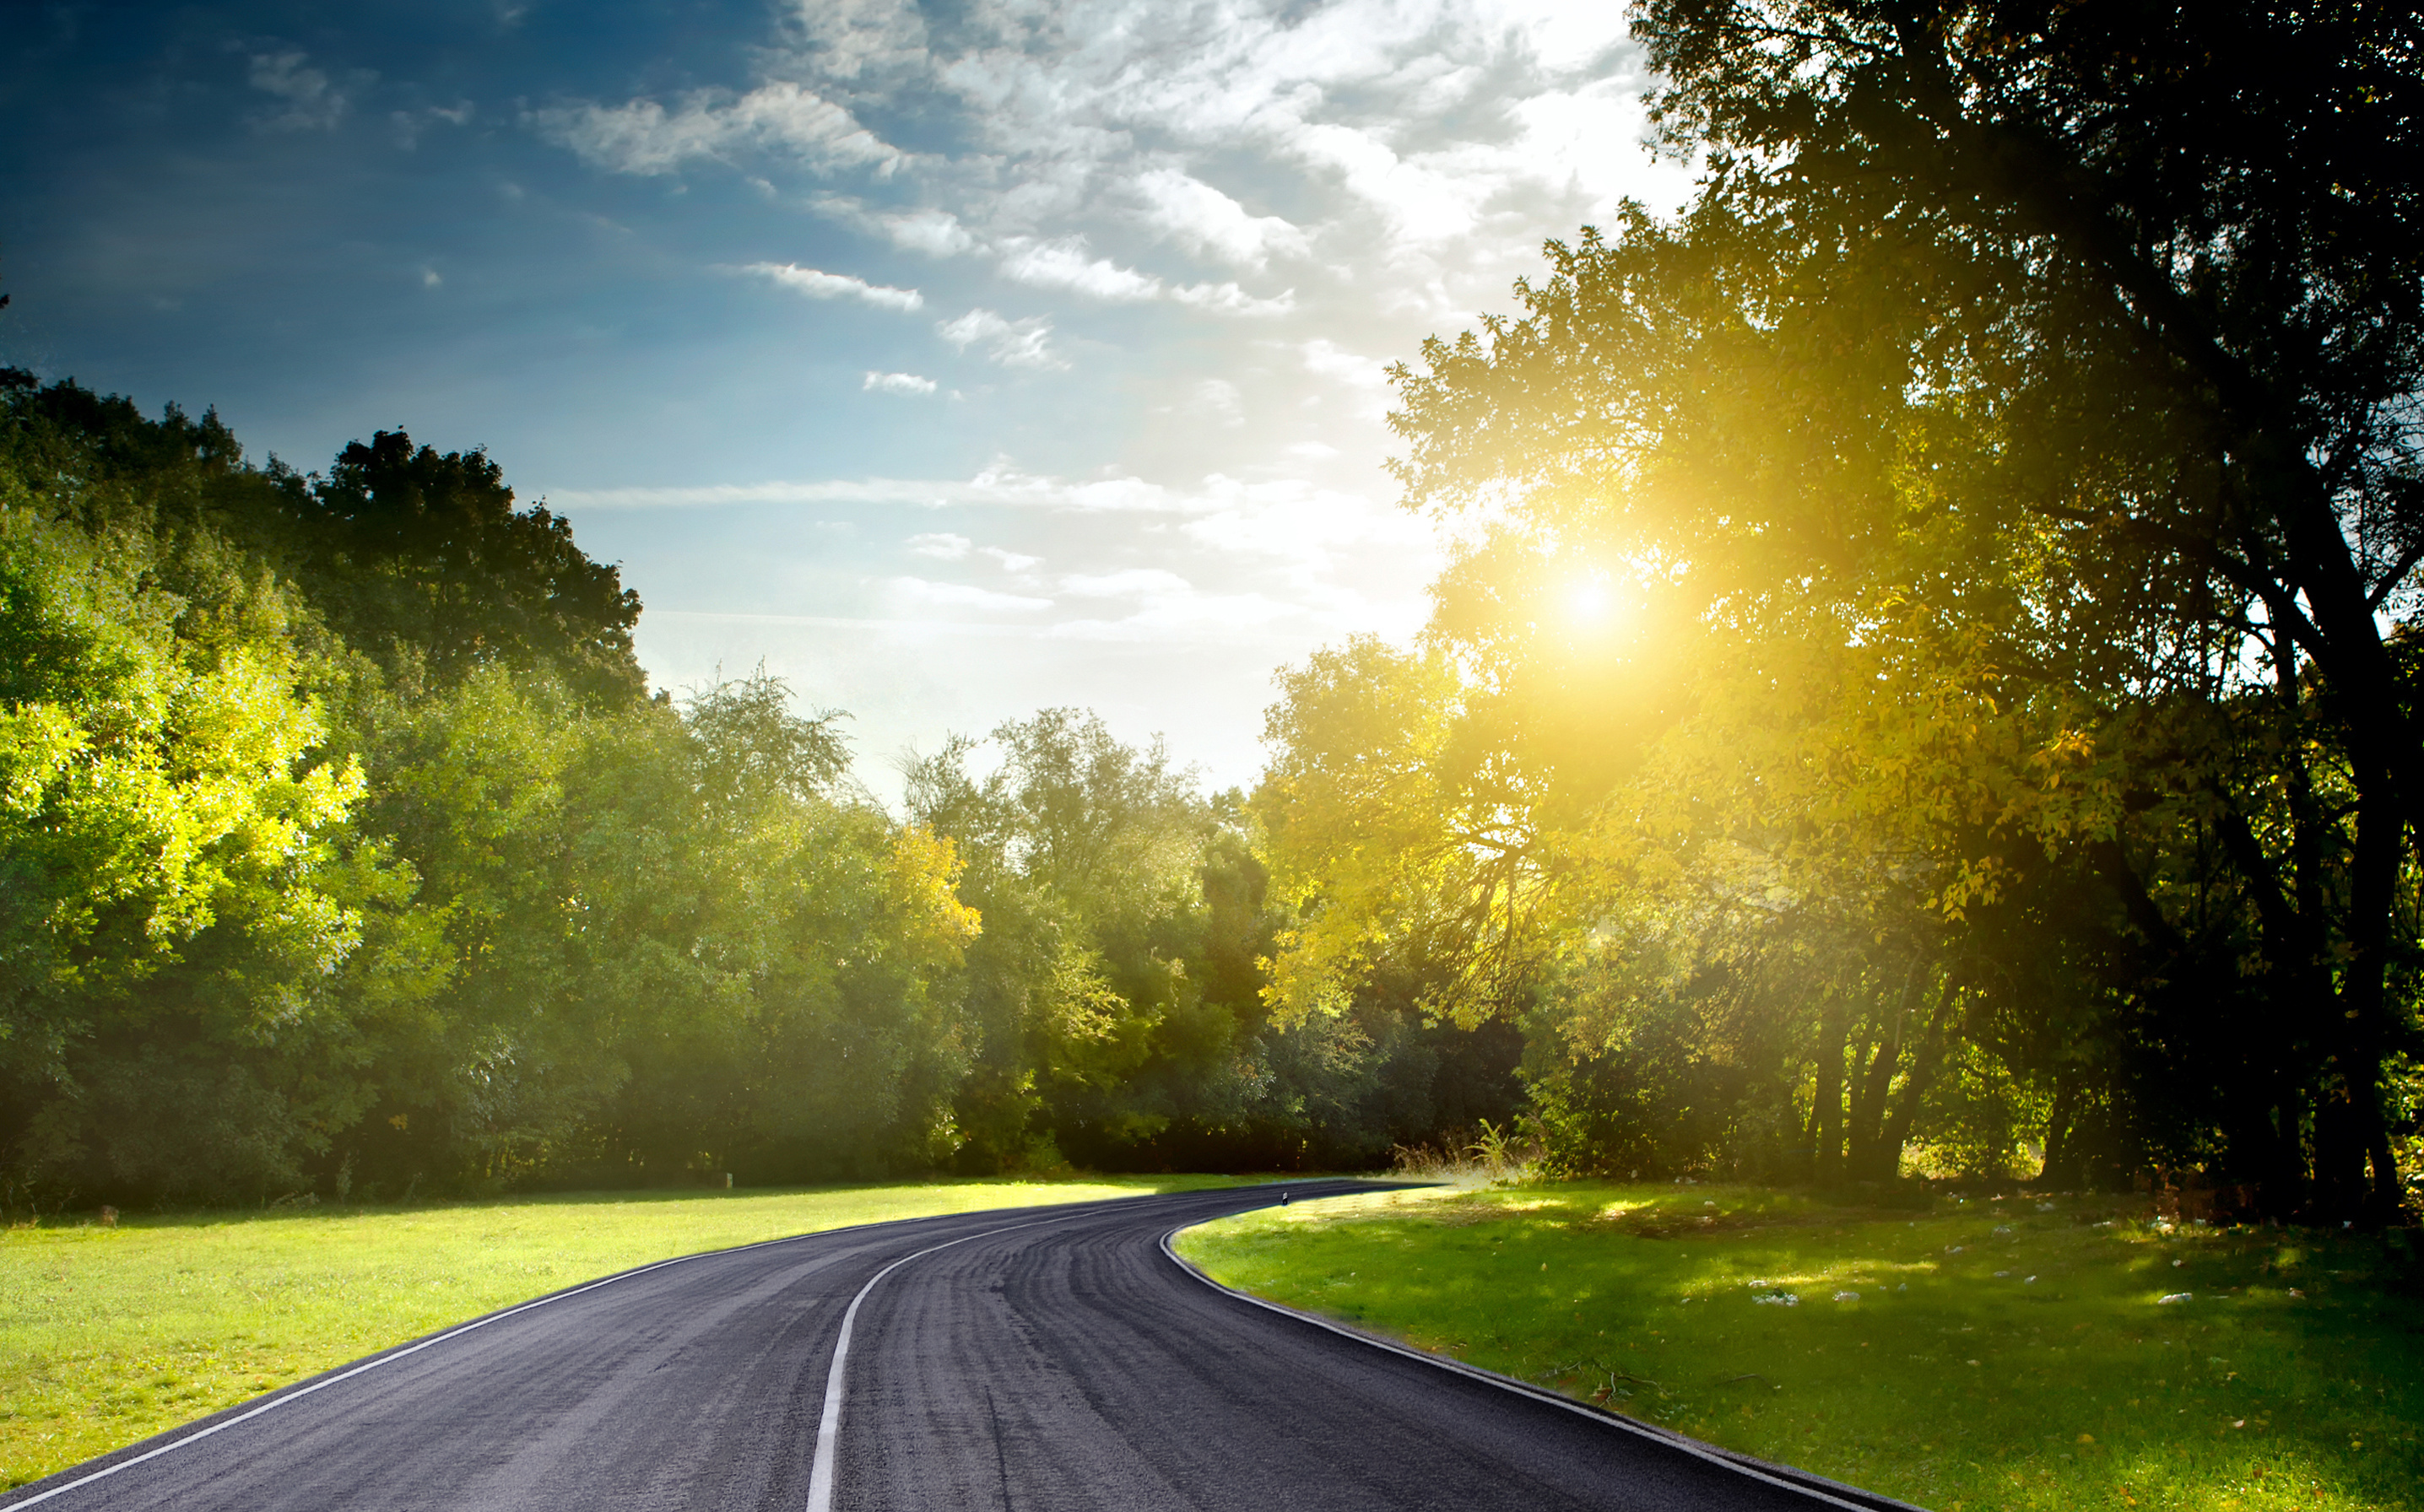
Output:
x,y
2059,1171
1923,1066
1871,1099
1829,1109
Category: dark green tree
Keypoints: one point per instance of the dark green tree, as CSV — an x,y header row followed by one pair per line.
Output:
x,y
432,555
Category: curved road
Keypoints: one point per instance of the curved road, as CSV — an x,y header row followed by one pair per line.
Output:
x,y
1028,1359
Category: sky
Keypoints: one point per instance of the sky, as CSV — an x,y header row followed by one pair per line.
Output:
x,y
952,359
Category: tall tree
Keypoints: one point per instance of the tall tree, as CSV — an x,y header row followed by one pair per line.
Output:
x,y
2022,412
2207,231
434,556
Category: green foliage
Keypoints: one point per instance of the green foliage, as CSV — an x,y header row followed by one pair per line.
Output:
x,y
423,555
341,854
1923,613
1119,983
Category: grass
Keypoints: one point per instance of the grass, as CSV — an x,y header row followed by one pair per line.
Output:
x,y
110,1335
2004,1354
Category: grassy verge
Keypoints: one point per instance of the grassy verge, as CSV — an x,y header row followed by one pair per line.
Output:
x,y
2005,1354
110,1335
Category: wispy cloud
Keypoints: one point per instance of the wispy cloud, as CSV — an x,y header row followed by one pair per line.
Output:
x,y
1002,485
406,126
1203,219
311,101
923,593
1134,582
1063,264
1013,343
901,383
779,118
1193,234
943,545
820,285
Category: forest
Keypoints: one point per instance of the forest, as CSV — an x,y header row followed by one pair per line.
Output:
x,y
347,853
1923,683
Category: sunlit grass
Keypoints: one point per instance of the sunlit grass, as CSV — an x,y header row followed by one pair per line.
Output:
x,y
2289,1379
110,1335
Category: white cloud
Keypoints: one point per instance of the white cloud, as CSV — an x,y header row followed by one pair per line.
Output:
x,y
1305,530
642,137
1001,484
1184,617
921,593
1326,359
1228,299
937,232
1220,399
863,44
407,125
901,383
1063,264
1297,193
1203,219
1015,344
942,545
818,285
313,103
1134,582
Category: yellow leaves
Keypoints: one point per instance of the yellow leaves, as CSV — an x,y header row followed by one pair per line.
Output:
x,y
1316,967
1977,880
2070,748
921,872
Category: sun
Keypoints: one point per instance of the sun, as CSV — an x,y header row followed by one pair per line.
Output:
x,y
1588,603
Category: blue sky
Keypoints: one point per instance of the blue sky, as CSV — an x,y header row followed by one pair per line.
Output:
x,y
953,360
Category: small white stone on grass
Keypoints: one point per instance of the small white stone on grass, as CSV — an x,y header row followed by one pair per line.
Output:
x,y
2176,1296
1847,1297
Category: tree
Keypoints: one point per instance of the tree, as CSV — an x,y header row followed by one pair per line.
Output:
x,y
179,890
2013,442
432,555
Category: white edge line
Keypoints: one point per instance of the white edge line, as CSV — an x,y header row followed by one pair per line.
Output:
x,y
821,1472
375,1361
325,1381
1509,1383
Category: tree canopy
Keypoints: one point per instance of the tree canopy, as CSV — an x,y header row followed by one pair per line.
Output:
x,y
2003,479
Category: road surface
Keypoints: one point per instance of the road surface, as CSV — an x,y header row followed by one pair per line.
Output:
x,y
1022,1361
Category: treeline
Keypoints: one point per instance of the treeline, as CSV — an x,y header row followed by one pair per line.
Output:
x,y
1929,666
1927,675
343,852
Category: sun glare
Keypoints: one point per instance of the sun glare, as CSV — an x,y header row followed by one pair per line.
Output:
x,y
1589,604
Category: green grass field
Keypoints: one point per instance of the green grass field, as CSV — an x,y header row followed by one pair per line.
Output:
x,y
110,1335
2004,1354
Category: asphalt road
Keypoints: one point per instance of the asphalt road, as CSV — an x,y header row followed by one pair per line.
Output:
x,y
1022,1360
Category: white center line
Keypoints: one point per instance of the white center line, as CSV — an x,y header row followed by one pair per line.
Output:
x,y
821,1472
